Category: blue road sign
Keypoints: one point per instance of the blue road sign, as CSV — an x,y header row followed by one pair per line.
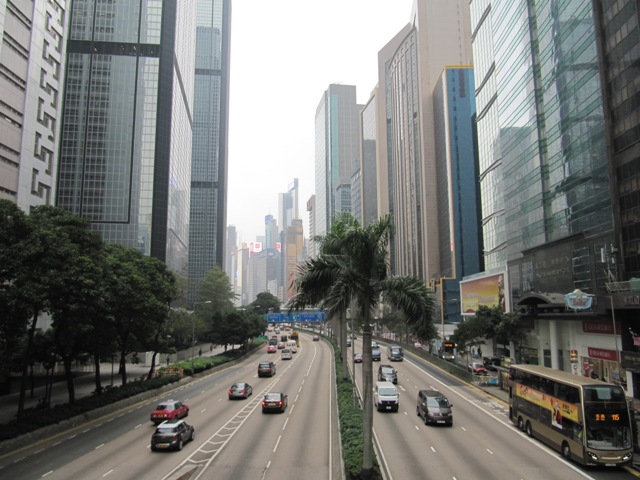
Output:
x,y
296,317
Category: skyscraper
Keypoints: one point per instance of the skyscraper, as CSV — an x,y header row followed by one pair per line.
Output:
x,y
32,50
337,153
125,150
439,35
208,217
458,194
544,173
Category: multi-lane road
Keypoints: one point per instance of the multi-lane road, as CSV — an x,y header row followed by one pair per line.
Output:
x,y
481,444
233,439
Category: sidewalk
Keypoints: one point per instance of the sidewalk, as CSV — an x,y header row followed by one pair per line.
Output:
x,y
84,382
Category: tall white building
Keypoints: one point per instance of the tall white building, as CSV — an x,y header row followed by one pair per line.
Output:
x,y
32,50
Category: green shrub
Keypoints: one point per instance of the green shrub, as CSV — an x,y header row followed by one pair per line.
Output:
x,y
351,426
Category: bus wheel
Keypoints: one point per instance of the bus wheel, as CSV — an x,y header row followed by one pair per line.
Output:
x,y
521,424
566,451
528,429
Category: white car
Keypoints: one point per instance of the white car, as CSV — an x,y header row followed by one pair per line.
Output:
x,y
286,354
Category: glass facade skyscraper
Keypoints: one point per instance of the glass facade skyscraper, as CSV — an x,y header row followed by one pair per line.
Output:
x,y
337,153
208,216
125,146
543,163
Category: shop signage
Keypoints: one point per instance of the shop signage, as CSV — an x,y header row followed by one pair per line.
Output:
x,y
577,300
603,354
630,361
595,326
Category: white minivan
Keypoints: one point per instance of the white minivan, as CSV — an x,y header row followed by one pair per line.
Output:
x,y
386,397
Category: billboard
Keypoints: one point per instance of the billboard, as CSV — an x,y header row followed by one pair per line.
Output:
x,y
488,290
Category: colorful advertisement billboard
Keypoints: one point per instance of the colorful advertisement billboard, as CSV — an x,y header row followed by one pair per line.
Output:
x,y
488,291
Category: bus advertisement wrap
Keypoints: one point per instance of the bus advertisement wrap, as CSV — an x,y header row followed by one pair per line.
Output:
x,y
557,408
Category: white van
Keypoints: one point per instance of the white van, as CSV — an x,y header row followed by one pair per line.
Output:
x,y
386,397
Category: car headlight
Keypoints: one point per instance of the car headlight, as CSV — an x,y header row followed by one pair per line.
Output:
x,y
593,456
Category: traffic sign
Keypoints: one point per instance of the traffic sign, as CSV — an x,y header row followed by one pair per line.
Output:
x,y
318,316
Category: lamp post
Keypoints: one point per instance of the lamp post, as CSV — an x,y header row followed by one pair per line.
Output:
x,y
193,333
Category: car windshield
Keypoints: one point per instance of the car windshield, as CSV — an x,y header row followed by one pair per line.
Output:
x,y
272,396
238,386
388,370
437,402
165,430
387,391
264,365
165,406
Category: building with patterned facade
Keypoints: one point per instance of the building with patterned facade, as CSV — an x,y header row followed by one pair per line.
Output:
x,y
126,135
32,51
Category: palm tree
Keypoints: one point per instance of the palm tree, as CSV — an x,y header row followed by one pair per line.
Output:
x,y
352,265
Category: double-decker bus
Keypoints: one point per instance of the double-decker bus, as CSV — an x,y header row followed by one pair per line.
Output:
x,y
587,420
448,351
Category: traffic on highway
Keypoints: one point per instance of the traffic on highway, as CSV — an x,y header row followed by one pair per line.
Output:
x,y
269,418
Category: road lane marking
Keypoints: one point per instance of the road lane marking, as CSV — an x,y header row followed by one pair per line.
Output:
x,y
99,446
505,423
277,443
433,450
108,473
48,473
489,451
285,423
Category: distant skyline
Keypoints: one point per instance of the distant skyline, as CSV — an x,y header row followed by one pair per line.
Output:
x,y
284,55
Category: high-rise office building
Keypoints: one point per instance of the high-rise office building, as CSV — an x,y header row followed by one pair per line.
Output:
x,y
618,34
544,175
368,173
125,150
439,35
208,217
230,263
32,50
337,153
458,194
271,236
311,202
288,208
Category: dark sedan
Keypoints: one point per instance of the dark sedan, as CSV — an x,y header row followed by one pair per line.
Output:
x,y
240,390
171,435
274,402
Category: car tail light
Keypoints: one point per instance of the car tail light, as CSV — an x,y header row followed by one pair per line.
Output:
x,y
264,404
242,391
279,403
175,437
230,392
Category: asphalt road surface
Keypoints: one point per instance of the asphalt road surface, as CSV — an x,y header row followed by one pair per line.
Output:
x,y
481,444
233,438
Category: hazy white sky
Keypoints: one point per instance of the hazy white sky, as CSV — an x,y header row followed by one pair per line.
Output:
x,y
284,55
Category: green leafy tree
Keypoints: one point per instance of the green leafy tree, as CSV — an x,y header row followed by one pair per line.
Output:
x,y
139,291
15,231
52,249
216,288
352,265
76,300
264,303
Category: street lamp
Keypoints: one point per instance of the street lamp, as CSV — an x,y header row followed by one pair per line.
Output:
x,y
193,334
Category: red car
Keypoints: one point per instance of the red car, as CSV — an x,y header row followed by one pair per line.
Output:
x,y
271,349
169,410
280,345
477,368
